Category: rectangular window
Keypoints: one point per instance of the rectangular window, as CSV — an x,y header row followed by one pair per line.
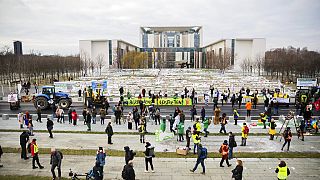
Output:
x,y
232,51
110,52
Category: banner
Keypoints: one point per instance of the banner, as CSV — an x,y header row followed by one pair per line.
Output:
x,y
159,102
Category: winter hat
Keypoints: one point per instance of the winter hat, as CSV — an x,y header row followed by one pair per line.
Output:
x,y
225,142
148,144
189,127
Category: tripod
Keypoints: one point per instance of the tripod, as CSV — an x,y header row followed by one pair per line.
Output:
x,y
288,118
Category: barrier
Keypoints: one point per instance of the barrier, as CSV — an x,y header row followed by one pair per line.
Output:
x,y
5,117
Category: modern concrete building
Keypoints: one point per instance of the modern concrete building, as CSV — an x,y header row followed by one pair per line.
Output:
x,y
170,47
17,47
107,53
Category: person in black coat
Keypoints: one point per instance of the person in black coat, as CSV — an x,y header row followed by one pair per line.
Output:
x,y
129,154
129,171
97,171
50,127
24,138
237,171
109,131
232,144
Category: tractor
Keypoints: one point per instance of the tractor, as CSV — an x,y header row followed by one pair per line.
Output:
x,y
93,98
49,96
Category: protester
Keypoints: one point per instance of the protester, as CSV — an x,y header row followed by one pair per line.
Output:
x,y
233,100
224,150
217,111
196,141
74,117
142,132
232,144
244,134
255,101
101,159
235,116
188,137
24,138
237,171
39,114
109,132
129,154
223,123
264,118
55,161
128,171
240,100
94,115
1,152
20,119
282,170
206,124
35,154
272,129
102,116
203,113
182,117
180,132
88,121
30,127
171,121
287,135
130,120
302,127
157,115
84,114
97,171
136,117
193,112
249,107
202,155
70,115
50,127
197,126
117,114
149,154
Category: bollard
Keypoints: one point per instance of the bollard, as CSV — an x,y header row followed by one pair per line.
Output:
x,y
5,117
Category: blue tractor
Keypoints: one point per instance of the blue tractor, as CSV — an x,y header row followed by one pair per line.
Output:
x,y
49,96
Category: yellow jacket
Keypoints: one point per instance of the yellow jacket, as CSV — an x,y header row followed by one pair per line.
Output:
x,y
195,138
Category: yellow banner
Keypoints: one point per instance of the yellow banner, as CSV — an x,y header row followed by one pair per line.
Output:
x,y
159,102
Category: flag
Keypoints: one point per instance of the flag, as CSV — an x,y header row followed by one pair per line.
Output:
x,y
317,105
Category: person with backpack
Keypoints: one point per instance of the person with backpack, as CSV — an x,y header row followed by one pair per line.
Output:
x,y
224,150
55,161
235,116
283,171
244,134
188,137
149,154
237,171
109,132
129,154
196,141
287,135
223,122
128,171
272,129
232,144
202,155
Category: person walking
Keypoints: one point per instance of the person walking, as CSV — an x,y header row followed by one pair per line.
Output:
x,y
109,132
272,129
142,131
203,113
255,101
171,121
74,117
89,121
223,123
1,153
50,127
35,154
84,114
30,127
70,115
117,114
39,114
248,107
302,127
129,154
240,100
224,150
129,173
102,115
97,171
130,120
193,112
232,144
101,159
206,124
235,116
20,119
202,155
24,138
94,115
180,132
196,141
55,161
136,117
237,171
282,170
287,135
244,134
264,118
149,154
188,137
216,111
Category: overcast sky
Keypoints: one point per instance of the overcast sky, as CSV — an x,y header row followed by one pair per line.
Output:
x,y
56,26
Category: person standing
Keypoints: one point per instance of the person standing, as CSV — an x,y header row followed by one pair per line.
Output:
x,y
102,116
196,141
35,154
287,135
84,114
136,117
180,132
182,117
142,131
237,171
206,124
188,137
89,121
223,123
39,114
216,111
30,127
272,129
233,100
157,115
255,101
24,138
94,115
264,118
1,152
70,115
50,127
101,159
117,114
129,171
109,131
302,127
149,154
97,171
193,112
282,170
20,119
235,116
202,155
244,134
203,113
171,121
129,154
248,107
232,144
130,120
74,117
224,150
55,161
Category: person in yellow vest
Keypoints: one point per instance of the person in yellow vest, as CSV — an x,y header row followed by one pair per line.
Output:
x,y
196,141
197,126
272,129
264,118
245,132
283,171
35,154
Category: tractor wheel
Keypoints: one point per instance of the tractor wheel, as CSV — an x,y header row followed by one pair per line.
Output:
x,y
64,103
41,102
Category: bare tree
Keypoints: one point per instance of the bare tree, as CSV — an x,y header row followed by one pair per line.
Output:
x,y
100,62
259,63
85,59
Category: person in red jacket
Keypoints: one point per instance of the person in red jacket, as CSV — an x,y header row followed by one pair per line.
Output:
x,y
35,154
74,117
224,150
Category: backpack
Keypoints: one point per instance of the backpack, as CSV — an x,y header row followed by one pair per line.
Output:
x,y
151,151
246,130
124,172
204,153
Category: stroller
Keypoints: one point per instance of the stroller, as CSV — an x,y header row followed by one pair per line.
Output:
x,y
74,176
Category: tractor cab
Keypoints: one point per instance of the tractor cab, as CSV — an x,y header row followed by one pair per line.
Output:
x,y
49,91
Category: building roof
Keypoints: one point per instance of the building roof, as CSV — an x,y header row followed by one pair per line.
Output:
x,y
170,28
237,39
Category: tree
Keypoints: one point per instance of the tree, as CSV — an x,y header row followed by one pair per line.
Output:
x,y
259,63
85,59
100,62
134,60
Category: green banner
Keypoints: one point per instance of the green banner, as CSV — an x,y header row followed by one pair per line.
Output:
x,y
159,102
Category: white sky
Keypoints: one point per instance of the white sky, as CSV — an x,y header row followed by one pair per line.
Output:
x,y
56,26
